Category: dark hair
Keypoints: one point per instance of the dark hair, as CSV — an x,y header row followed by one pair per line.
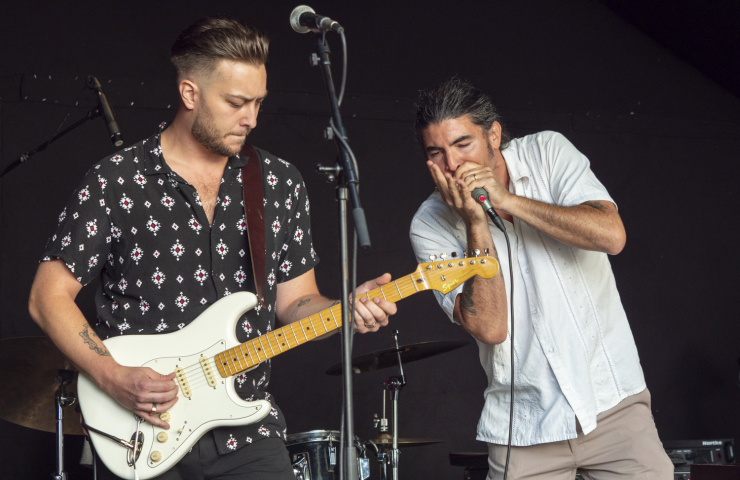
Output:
x,y
455,98
211,39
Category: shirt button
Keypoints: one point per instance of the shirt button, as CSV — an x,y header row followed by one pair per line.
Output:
x,y
534,312
527,270
549,350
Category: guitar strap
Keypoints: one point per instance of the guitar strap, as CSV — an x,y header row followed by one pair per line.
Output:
x,y
254,212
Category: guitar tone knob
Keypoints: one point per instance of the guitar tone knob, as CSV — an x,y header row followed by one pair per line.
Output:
x,y
162,437
165,416
156,456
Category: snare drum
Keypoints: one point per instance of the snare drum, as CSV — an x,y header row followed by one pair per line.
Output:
x,y
315,455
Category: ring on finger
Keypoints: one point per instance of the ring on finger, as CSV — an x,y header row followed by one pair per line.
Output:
x,y
372,325
474,177
154,408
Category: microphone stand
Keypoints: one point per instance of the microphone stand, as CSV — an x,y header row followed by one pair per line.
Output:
x,y
24,158
346,179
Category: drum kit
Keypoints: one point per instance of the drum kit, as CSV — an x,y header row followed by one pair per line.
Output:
x,y
49,382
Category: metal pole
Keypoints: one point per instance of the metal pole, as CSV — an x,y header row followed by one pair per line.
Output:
x,y
350,454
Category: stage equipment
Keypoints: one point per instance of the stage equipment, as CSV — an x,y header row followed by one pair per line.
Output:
x,y
480,195
712,472
346,174
43,383
685,453
314,455
389,357
303,19
103,109
205,356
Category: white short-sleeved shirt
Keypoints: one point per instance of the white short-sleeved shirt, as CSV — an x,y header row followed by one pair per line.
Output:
x,y
574,351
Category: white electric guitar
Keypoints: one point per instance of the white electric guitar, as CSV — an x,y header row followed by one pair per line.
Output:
x,y
205,355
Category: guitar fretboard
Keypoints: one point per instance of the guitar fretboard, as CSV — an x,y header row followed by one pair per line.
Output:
x,y
253,352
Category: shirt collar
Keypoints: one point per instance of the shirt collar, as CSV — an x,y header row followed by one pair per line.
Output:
x,y
154,163
517,169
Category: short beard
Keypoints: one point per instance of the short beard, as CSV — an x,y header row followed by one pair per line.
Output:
x,y
205,132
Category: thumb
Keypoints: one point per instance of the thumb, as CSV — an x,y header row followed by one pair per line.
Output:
x,y
383,279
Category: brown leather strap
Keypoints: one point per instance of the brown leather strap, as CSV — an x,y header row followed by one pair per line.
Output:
x,y
254,211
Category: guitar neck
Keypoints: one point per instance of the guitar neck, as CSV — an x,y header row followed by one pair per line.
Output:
x,y
253,352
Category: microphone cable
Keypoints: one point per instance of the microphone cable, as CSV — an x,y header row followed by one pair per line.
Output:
x,y
481,196
511,302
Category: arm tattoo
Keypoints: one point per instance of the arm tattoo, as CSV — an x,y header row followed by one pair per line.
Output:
x,y
466,301
300,304
336,302
596,205
88,337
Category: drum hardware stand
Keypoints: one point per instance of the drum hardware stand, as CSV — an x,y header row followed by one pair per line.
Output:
x,y
300,469
394,385
62,400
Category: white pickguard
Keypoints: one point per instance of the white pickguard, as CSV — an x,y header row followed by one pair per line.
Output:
x,y
208,407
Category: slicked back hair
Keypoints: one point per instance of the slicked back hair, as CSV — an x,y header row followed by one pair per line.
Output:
x,y
211,39
453,99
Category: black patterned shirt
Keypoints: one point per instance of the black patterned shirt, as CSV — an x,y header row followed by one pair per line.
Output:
x,y
142,228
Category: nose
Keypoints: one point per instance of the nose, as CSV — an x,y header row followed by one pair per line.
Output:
x,y
453,160
250,116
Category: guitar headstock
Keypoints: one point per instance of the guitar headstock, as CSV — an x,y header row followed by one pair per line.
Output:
x,y
446,274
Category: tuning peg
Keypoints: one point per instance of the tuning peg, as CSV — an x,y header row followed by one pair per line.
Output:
x,y
486,251
442,256
432,257
454,254
477,252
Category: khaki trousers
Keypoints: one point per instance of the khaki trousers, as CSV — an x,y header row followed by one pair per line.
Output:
x,y
624,446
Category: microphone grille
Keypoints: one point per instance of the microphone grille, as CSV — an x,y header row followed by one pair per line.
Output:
x,y
295,18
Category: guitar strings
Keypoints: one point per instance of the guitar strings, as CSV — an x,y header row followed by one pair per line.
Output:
x,y
404,287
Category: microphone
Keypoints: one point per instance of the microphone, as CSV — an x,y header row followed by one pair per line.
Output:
x,y
303,19
105,110
481,196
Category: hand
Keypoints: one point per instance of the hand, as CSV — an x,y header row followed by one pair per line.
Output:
x,y
138,388
370,315
457,190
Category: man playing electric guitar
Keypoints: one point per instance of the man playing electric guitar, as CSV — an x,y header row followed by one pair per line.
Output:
x,y
168,238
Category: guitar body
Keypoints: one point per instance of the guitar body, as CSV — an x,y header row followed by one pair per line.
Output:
x,y
206,355
207,407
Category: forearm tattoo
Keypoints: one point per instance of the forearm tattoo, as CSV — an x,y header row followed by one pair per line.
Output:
x,y
300,304
336,302
88,337
466,301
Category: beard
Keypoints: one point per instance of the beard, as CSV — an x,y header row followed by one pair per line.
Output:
x,y
204,130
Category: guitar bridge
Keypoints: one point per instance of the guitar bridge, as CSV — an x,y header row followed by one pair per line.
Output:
x,y
183,381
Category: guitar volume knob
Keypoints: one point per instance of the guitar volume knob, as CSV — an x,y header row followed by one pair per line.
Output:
x,y
156,456
165,416
162,437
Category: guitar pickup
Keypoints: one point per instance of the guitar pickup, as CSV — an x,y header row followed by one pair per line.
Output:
x,y
208,371
183,381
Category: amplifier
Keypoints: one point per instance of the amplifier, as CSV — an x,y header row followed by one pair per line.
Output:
x,y
707,452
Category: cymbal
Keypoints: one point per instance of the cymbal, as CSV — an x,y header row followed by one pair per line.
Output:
x,y
389,358
384,441
29,367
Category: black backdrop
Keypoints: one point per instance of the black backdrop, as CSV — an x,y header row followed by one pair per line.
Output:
x,y
660,136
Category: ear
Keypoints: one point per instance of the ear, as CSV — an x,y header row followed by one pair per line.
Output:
x,y
494,135
189,93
